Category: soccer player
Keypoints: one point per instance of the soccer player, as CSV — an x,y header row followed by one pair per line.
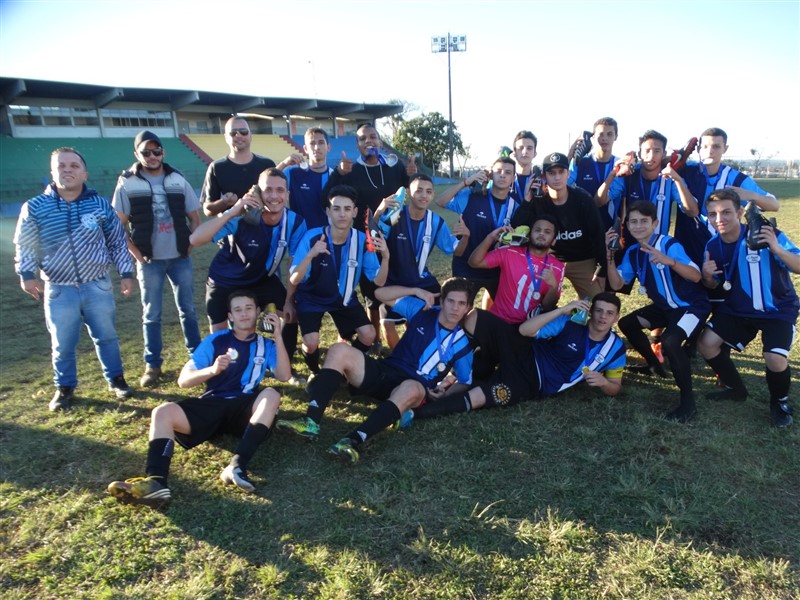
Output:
x,y
709,175
650,180
434,344
562,354
326,269
580,242
679,304
530,277
411,238
591,171
230,363
232,176
759,296
524,152
306,184
480,214
251,252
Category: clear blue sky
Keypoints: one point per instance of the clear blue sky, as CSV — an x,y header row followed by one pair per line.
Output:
x,y
552,67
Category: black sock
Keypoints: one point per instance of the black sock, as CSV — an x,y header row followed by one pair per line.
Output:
x,y
637,338
312,360
457,403
359,345
253,435
728,375
289,336
778,383
379,419
159,456
321,389
678,361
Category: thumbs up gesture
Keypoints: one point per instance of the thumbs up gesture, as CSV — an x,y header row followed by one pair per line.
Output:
x,y
345,165
320,247
460,228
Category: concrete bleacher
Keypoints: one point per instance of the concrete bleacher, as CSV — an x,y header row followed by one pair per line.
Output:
x,y
269,145
25,164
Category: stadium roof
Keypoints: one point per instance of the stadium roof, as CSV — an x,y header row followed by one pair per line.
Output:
x,y
15,91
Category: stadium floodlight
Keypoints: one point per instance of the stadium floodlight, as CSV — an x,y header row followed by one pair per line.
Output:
x,y
441,44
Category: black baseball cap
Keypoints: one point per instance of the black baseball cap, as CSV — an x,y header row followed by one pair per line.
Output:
x,y
145,136
556,159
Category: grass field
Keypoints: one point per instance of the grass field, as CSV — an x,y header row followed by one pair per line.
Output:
x,y
578,496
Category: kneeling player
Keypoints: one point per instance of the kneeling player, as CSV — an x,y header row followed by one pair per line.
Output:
x,y
434,343
671,280
231,363
562,354
759,296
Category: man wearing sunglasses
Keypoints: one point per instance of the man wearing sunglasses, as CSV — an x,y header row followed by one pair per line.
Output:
x,y
230,178
159,209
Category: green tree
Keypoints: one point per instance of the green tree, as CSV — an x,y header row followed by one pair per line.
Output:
x,y
427,134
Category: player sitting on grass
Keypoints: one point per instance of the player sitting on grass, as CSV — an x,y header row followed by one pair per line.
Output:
x,y
564,352
759,296
231,363
671,281
434,343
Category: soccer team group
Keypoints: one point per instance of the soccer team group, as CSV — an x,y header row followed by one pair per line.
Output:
x,y
595,219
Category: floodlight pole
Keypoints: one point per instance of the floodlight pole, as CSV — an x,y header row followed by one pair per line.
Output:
x,y
451,45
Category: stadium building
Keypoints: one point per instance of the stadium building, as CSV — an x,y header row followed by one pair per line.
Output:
x,y
101,122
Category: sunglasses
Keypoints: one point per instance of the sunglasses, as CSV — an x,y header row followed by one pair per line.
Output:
x,y
154,152
242,132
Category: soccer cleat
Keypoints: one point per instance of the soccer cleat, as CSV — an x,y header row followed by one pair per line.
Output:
x,y
394,215
647,370
582,146
345,449
238,477
141,490
120,388
62,399
629,159
406,420
678,158
150,377
682,414
755,221
518,237
780,413
304,426
727,394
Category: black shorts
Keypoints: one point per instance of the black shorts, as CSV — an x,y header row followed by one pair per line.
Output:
x,y
490,284
269,289
737,332
210,416
516,378
368,292
347,320
380,379
689,319
388,315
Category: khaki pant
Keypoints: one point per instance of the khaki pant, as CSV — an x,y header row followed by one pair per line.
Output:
x,y
580,275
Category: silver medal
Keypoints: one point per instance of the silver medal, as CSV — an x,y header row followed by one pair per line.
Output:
x,y
441,367
727,286
642,289
536,295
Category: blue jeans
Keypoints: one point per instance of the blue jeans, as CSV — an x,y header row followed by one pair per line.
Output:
x,y
65,307
152,276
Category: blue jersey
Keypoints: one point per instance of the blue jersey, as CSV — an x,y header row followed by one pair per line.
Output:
x,y
664,287
305,194
589,174
761,287
482,215
662,192
427,351
410,243
694,232
252,359
249,253
331,279
562,349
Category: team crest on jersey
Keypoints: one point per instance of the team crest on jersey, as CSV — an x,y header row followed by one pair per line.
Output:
x,y
352,263
89,221
753,257
501,394
660,266
281,243
259,360
426,239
